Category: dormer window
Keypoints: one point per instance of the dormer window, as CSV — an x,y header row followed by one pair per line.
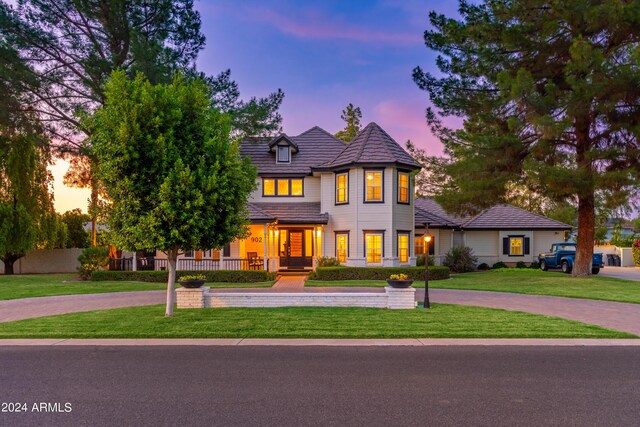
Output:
x,y
283,154
283,147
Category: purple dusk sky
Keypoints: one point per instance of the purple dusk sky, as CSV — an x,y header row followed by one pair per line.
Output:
x,y
323,55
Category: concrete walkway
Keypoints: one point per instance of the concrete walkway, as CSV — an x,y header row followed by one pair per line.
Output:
x,y
614,315
290,283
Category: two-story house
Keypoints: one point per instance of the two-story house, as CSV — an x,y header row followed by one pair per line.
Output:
x,y
318,196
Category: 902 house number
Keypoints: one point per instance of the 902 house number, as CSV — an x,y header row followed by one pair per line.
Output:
x,y
256,239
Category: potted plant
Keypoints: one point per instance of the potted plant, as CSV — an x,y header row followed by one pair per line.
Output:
x,y
192,282
399,281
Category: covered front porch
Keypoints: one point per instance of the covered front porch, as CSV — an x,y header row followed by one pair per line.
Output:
x,y
283,247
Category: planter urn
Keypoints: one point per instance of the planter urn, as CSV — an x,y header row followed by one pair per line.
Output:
x,y
191,284
399,283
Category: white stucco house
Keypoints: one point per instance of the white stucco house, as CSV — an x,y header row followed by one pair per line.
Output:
x,y
319,196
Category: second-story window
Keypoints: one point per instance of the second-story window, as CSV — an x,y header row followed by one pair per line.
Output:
x,y
283,154
283,187
373,186
403,187
342,188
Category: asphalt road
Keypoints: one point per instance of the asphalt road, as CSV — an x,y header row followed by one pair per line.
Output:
x,y
286,386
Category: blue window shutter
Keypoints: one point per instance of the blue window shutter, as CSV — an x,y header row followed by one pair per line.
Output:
x,y
527,244
505,246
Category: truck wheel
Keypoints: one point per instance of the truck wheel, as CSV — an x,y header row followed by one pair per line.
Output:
x,y
595,270
565,267
543,265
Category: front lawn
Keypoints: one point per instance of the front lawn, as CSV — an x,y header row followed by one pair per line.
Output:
x,y
442,321
525,281
41,285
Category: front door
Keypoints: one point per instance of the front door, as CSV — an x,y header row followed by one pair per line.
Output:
x,y
295,255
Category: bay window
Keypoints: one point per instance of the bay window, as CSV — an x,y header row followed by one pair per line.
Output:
x,y
373,186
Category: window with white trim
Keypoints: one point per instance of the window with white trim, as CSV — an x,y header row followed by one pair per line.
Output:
x,y
403,247
373,247
516,246
373,186
342,188
342,247
283,154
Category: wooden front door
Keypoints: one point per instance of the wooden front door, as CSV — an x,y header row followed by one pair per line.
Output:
x,y
295,253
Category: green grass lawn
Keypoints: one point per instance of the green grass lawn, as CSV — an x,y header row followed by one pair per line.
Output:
x,y
452,321
41,285
525,281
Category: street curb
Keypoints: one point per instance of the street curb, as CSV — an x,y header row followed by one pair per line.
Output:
x,y
415,342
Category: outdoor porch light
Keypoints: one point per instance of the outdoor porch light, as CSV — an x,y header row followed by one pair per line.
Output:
x,y
427,238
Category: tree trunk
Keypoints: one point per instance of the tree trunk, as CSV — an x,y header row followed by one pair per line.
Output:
x,y
9,261
93,208
8,267
586,200
172,256
586,235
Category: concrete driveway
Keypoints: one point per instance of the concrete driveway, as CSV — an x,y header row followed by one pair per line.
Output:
x,y
629,273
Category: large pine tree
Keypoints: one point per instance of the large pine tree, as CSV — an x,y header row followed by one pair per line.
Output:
x,y
550,92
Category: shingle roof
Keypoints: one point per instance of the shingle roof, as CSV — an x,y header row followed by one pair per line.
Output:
x,y
315,146
500,217
511,217
258,215
427,204
371,146
290,212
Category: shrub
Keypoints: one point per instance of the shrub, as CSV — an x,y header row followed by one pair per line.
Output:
x,y
325,261
231,276
498,264
376,273
92,259
192,277
635,249
460,260
483,267
420,260
534,265
521,264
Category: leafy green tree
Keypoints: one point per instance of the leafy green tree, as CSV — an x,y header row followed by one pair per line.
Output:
x,y
74,46
351,116
636,225
27,217
77,236
549,92
175,178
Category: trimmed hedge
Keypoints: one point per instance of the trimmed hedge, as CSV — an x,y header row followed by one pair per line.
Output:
x,y
231,276
377,273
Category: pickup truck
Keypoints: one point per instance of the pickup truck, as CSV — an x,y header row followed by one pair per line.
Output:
x,y
562,255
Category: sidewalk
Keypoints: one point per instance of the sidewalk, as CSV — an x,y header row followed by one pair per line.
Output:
x,y
327,342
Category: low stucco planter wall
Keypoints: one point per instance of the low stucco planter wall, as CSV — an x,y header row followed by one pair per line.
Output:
x,y
390,298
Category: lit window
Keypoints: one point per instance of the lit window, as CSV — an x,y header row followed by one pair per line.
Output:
x,y
373,243
515,246
283,153
342,184
296,187
283,187
373,185
342,244
215,255
269,187
403,247
403,187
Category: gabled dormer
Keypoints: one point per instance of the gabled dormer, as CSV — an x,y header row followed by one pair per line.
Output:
x,y
283,147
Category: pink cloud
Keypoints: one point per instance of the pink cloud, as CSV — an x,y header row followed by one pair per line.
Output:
x,y
315,26
405,121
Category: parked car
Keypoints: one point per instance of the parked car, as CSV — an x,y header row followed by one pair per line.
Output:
x,y
562,256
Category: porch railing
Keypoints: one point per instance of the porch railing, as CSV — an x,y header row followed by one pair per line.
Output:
x,y
158,264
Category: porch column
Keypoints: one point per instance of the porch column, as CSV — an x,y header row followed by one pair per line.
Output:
x,y
264,249
314,263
